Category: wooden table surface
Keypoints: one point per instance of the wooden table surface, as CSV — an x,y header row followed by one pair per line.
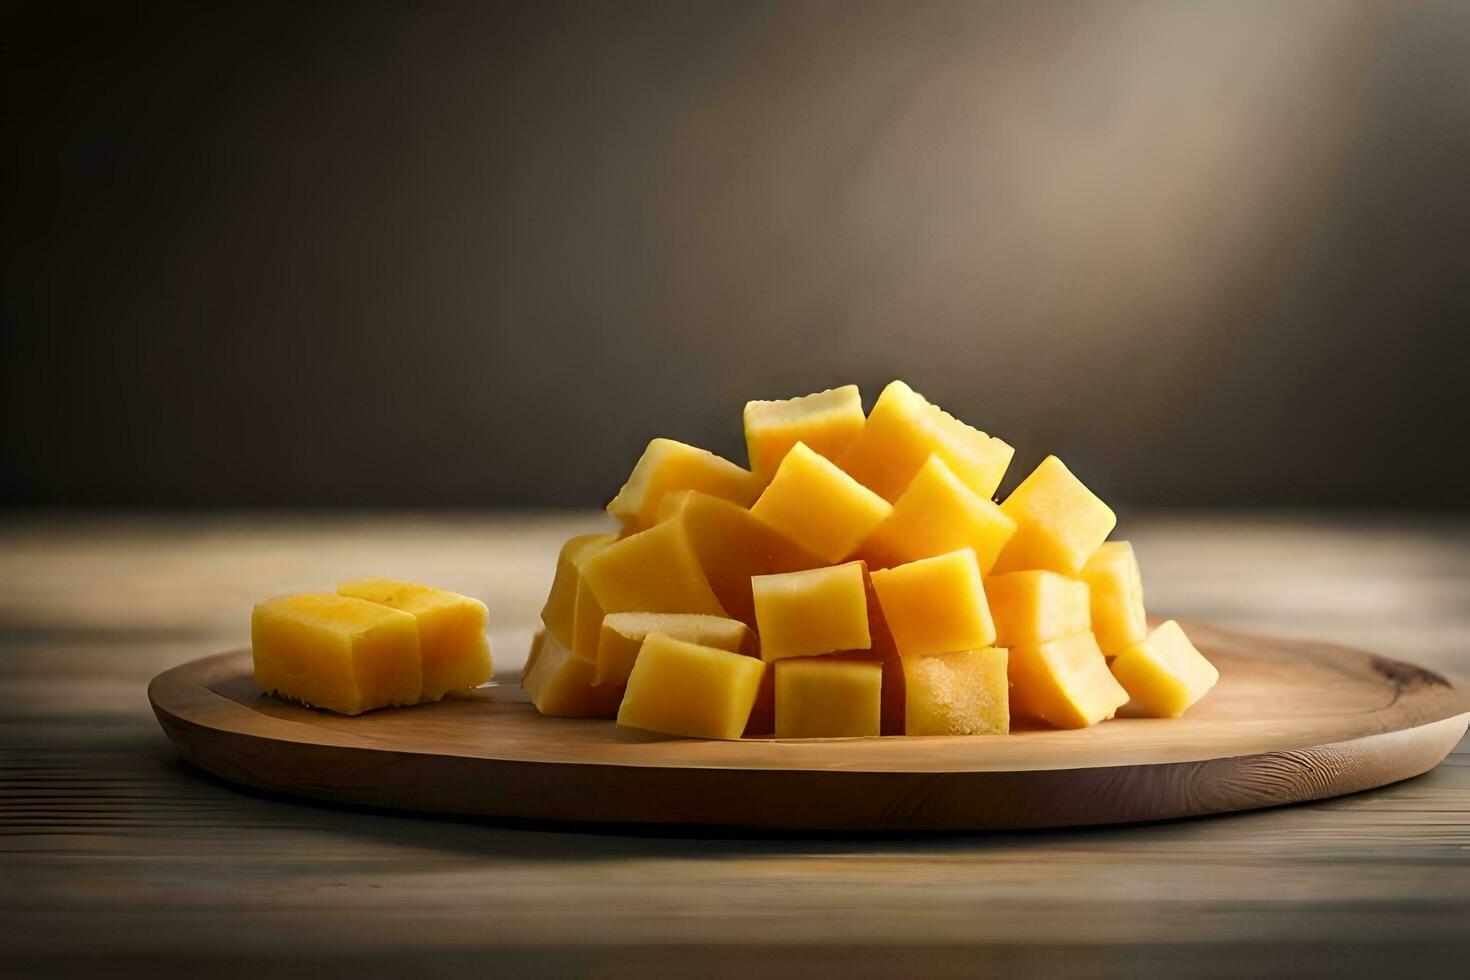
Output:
x,y
114,858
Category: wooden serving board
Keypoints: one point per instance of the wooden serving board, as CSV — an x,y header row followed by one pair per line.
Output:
x,y
1290,720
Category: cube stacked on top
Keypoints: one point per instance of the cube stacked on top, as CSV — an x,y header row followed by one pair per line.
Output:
x,y
858,579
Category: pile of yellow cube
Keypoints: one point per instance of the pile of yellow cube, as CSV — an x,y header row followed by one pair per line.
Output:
x,y
859,579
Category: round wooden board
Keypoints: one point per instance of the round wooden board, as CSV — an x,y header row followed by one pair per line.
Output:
x,y
1290,720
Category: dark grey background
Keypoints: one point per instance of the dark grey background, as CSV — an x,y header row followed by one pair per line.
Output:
x,y
474,253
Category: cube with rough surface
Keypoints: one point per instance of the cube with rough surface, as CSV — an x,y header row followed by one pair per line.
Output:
x,y
935,605
452,641
827,422
959,693
666,467
817,506
1059,522
680,688
1164,674
336,652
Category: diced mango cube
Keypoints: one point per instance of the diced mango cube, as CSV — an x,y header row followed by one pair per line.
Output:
x,y
452,642
818,506
681,688
821,610
959,693
667,466
1059,522
560,685
1118,619
1165,674
904,429
732,545
1034,607
559,613
827,422
1064,682
823,697
329,651
936,605
622,635
655,570
936,514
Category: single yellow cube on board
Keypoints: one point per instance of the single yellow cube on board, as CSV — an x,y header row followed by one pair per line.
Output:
x,y
538,640
820,610
1064,682
904,429
827,422
336,652
822,697
936,605
936,514
961,693
1033,607
1118,619
1165,674
1059,522
681,688
452,642
667,466
732,546
560,685
622,636
655,570
819,507
559,613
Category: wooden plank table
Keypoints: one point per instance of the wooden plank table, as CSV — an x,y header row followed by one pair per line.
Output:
x,y
114,858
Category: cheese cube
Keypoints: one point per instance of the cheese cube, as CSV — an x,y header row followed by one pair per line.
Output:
x,y
560,685
827,422
1059,522
452,642
819,507
821,610
823,697
1165,674
681,688
655,570
1118,619
904,429
336,652
935,605
622,635
667,466
937,514
559,613
959,693
1034,607
732,546
1064,682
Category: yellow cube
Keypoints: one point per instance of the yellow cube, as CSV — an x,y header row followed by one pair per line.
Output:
x,y
936,605
1118,619
822,697
560,684
681,688
329,651
1064,683
827,422
820,508
1059,522
732,546
559,613
904,429
821,610
1165,674
959,693
1034,607
655,570
586,623
667,466
936,514
452,642
622,635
